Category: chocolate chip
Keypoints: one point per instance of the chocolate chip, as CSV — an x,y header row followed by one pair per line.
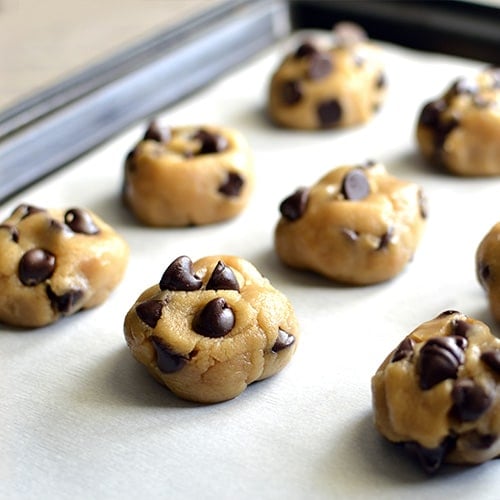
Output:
x,y
66,302
14,232
479,441
355,185
35,266
210,142
56,225
460,87
430,115
80,221
431,458
27,210
306,49
422,204
386,238
291,92
381,81
157,133
215,320
222,278
492,359
232,185
329,113
166,359
440,359
179,276
484,273
404,350
470,400
459,327
294,206
283,340
320,65
481,102
150,311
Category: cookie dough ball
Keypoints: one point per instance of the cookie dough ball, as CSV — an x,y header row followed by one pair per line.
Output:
x,y
188,175
55,263
211,328
357,225
438,392
488,268
337,85
460,131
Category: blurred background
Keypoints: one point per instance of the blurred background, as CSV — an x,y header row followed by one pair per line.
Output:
x,y
44,41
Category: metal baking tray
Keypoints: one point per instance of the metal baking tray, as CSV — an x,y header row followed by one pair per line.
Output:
x,y
47,131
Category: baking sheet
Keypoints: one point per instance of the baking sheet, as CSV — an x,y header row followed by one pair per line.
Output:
x,y
81,419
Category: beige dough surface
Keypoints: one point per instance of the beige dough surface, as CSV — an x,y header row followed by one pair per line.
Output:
x,y
179,176
56,262
211,328
438,392
488,268
340,85
353,241
460,130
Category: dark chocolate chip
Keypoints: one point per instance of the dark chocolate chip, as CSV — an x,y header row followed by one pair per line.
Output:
x,y
404,350
355,185
459,327
66,302
294,206
484,274
283,340
35,266
233,184
386,238
479,441
167,360
492,359
430,116
431,458
329,113
27,210
210,142
381,81
14,232
442,131
422,204
56,225
150,311
215,320
222,278
157,133
179,276
462,86
306,49
80,221
320,65
470,400
291,92
440,359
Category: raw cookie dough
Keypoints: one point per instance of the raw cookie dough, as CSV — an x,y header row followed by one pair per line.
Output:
x,y
337,85
488,268
56,262
212,327
438,392
188,175
357,225
460,130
